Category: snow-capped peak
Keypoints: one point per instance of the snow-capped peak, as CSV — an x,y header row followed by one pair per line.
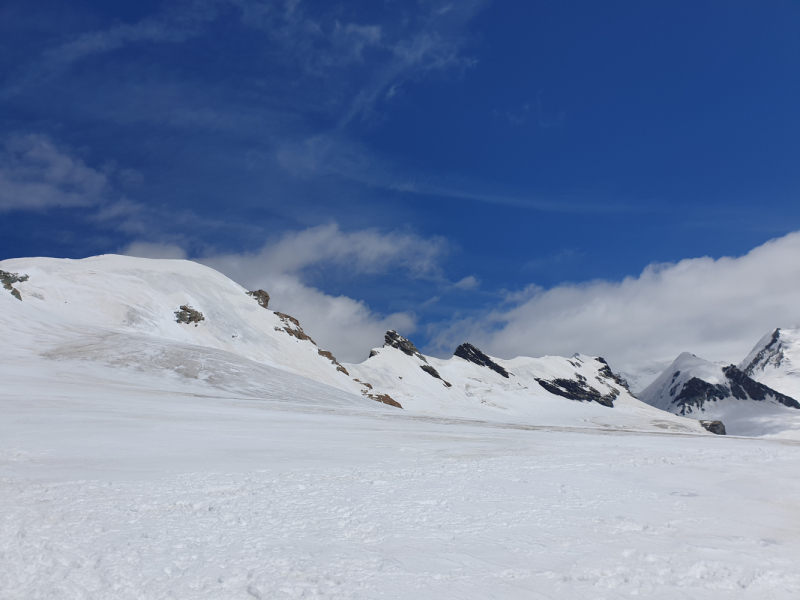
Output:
x,y
775,361
699,388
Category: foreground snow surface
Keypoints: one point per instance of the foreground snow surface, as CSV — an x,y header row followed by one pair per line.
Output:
x,y
116,493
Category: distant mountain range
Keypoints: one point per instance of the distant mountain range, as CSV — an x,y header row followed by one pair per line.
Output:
x,y
159,320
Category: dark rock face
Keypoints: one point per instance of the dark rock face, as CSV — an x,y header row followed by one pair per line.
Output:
x,y
292,327
578,390
261,297
607,373
395,340
696,392
771,354
7,279
434,373
473,355
188,315
744,387
714,427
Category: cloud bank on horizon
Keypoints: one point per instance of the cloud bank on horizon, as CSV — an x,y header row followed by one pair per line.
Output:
x,y
715,308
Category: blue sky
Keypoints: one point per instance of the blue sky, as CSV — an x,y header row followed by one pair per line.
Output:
x,y
501,146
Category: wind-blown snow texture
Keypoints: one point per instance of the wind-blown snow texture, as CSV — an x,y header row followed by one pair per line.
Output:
x,y
145,458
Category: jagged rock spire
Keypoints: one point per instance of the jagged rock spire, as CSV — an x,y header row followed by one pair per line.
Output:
x,y
395,340
473,355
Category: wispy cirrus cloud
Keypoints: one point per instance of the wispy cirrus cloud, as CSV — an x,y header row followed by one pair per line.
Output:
x,y
361,60
334,155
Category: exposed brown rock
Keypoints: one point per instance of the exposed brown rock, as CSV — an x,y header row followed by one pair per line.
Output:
x,y
292,327
7,279
385,398
715,427
261,296
332,358
188,315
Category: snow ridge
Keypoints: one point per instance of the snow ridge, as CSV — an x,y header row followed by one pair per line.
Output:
x,y
174,318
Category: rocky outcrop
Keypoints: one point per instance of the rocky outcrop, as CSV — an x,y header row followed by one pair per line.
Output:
x,y
332,358
578,390
473,355
607,373
188,315
393,339
770,355
292,327
384,398
261,297
744,387
7,279
434,373
715,427
696,392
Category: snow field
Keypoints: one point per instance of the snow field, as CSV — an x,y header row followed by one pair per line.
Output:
x,y
224,498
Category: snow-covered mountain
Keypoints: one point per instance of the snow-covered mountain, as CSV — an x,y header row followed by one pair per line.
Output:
x,y
705,390
183,326
156,316
470,383
775,361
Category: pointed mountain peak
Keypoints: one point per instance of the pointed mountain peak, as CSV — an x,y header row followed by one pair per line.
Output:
x,y
395,340
691,384
768,352
472,354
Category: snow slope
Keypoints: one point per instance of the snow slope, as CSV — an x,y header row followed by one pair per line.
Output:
x,y
775,361
125,485
121,312
704,390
